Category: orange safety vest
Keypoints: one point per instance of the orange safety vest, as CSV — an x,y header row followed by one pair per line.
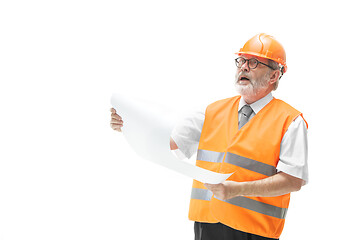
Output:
x,y
251,153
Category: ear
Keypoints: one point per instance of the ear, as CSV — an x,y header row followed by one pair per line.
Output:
x,y
274,76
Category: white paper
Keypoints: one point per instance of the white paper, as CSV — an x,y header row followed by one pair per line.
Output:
x,y
147,128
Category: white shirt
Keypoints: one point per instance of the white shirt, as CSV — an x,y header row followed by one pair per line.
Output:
x,y
293,148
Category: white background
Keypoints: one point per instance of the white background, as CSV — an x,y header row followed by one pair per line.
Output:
x,y
64,174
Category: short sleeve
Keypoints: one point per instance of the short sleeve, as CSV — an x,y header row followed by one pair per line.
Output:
x,y
294,150
187,132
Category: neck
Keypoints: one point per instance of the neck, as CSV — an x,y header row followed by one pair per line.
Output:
x,y
249,99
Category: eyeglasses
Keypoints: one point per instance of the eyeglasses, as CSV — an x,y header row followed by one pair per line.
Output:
x,y
252,62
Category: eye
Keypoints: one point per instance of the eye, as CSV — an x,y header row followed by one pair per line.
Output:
x,y
241,61
253,63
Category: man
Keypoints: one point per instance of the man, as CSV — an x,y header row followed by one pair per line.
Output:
x,y
260,139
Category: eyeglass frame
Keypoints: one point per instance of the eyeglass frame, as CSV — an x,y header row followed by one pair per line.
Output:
x,y
248,62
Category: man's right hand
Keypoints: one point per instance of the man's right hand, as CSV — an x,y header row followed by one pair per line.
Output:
x,y
116,121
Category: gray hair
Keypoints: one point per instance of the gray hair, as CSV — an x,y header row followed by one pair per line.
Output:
x,y
276,66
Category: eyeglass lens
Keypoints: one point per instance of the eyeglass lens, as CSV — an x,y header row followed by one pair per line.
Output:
x,y
252,62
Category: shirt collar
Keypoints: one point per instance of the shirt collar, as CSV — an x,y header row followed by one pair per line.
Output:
x,y
258,105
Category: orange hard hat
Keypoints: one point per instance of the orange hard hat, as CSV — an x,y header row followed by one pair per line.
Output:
x,y
265,46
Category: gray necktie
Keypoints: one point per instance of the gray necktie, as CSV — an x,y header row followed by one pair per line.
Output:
x,y
244,115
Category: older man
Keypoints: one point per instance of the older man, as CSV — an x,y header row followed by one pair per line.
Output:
x,y
260,139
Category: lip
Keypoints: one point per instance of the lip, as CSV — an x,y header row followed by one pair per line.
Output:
x,y
243,79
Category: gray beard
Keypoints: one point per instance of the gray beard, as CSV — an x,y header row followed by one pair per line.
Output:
x,y
253,88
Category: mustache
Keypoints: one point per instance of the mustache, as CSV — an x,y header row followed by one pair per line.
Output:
x,y
239,75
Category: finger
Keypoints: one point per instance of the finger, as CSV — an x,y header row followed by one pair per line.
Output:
x,y
115,116
211,186
112,125
116,121
112,110
117,124
116,127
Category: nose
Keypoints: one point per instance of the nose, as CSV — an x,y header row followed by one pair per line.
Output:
x,y
245,67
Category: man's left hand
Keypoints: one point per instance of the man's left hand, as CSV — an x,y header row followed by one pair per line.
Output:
x,y
224,190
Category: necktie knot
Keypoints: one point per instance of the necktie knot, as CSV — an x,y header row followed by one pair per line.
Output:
x,y
244,115
246,110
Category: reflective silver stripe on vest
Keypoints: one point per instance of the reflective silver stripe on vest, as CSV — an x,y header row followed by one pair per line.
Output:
x,y
210,156
201,194
250,164
259,207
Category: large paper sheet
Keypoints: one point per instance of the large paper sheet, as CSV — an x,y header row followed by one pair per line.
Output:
x,y
147,128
